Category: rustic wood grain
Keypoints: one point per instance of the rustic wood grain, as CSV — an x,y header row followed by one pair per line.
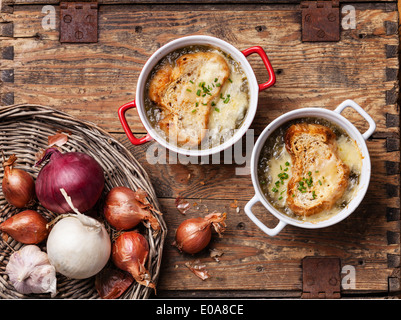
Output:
x,y
92,80
101,77
253,261
378,3
361,240
209,180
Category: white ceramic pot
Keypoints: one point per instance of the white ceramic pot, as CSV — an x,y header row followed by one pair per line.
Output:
x,y
239,56
336,118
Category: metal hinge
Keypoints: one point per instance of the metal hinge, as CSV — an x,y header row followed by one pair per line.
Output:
x,y
321,278
78,22
320,20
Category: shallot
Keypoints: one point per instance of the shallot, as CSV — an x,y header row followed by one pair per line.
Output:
x,y
130,253
79,174
30,271
27,227
18,185
124,210
194,234
78,246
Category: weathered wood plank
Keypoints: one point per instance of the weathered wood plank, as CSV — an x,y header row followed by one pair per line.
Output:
x,y
92,80
101,77
254,261
378,3
360,241
210,180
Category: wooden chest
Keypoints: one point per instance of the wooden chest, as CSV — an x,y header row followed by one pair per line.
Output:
x,y
92,80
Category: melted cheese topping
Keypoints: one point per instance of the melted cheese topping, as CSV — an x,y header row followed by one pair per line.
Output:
x,y
276,166
227,110
350,154
230,109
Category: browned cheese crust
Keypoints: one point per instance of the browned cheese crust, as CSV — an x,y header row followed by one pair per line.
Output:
x,y
185,112
313,151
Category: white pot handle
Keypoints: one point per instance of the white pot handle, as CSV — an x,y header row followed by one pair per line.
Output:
x,y
268,231
363,113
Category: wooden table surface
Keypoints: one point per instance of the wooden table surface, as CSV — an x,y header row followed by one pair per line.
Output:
x,y
91,81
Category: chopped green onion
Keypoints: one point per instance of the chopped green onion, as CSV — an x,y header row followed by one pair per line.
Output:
x,y
283,175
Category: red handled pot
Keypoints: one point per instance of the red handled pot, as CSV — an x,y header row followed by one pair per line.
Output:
x,y
239,56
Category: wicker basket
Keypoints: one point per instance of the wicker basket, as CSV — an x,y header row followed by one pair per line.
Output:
x,y
24,129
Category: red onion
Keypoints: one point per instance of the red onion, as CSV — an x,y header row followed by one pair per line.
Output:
x,y
129,253
18,185
77,173
123,210
194,234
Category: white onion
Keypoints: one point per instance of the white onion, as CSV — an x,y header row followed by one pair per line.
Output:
x,y
78,246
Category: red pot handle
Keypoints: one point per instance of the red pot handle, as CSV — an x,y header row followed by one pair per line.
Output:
x,y
272,76
128,132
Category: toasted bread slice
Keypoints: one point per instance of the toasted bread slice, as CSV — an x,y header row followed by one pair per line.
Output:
x,y
185,94
158,83
319,177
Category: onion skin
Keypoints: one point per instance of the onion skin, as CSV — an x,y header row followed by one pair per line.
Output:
x,y
123,211
78,173
194,234
18,185
129,253
28,227
111,283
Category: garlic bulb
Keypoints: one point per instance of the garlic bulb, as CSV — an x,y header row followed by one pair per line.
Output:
x,y
30,271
